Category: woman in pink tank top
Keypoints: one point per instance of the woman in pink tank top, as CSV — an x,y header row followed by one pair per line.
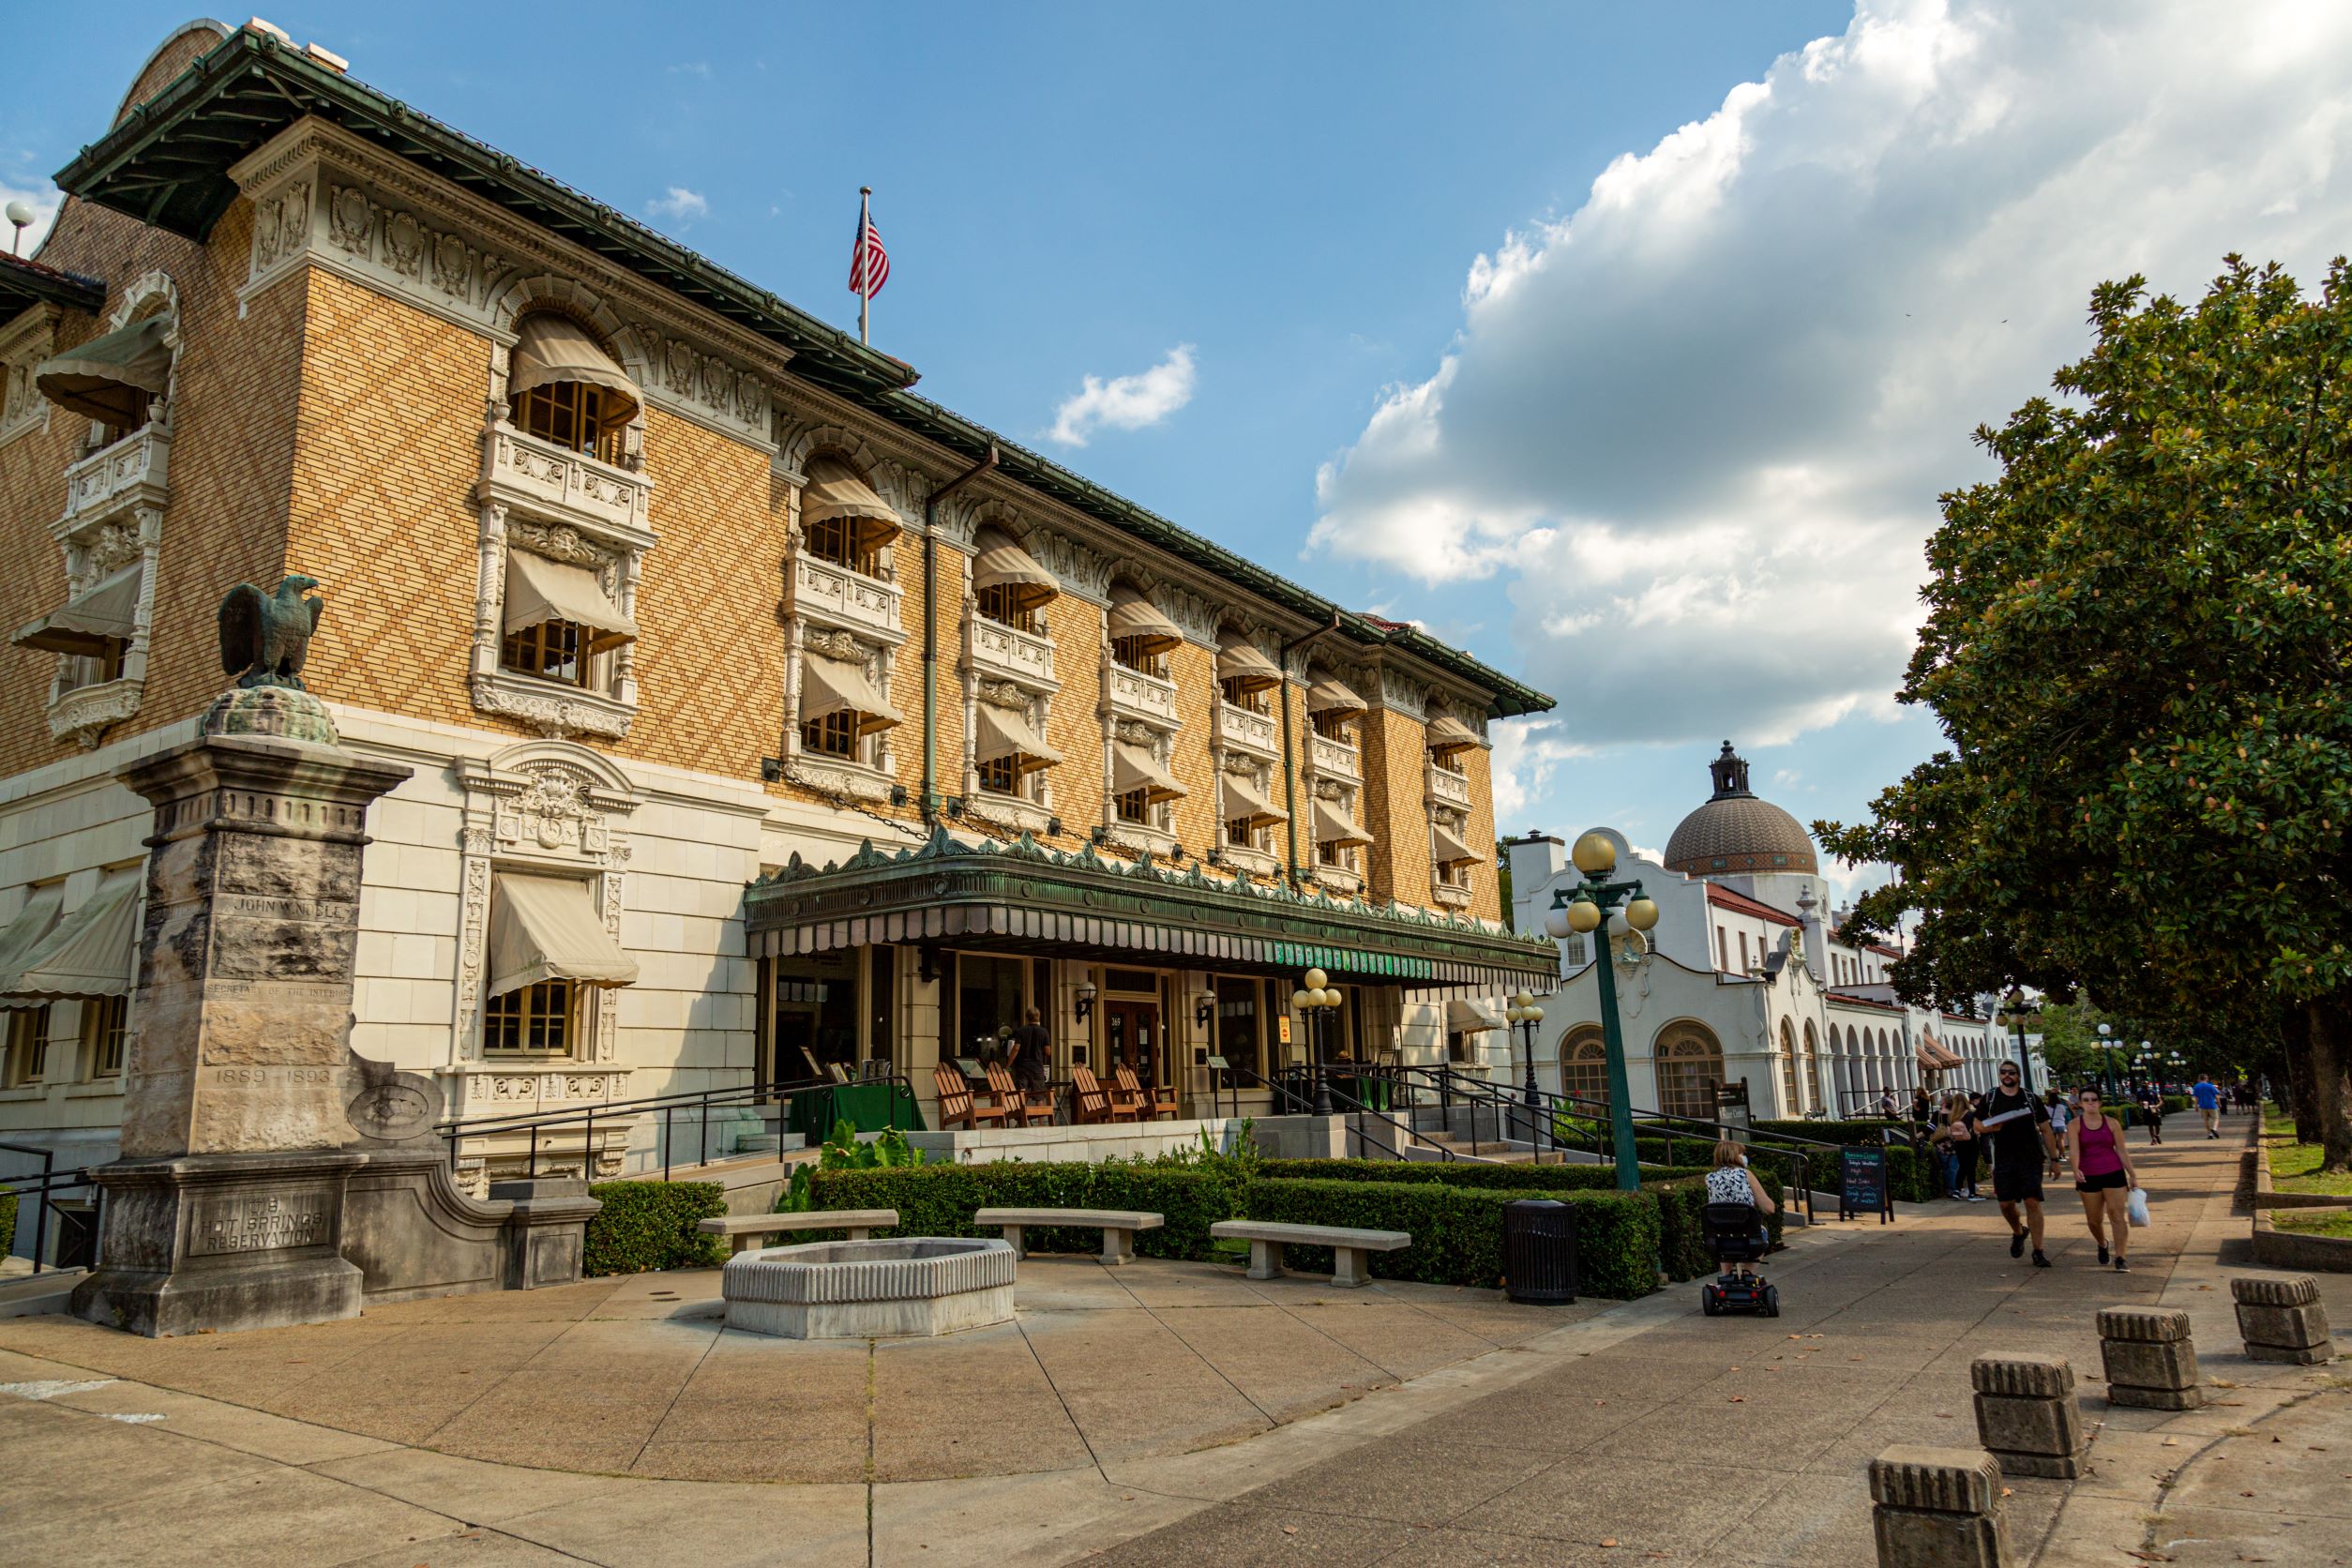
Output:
x,y
2103,1176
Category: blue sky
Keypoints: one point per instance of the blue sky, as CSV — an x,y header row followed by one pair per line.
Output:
x,y
1628,346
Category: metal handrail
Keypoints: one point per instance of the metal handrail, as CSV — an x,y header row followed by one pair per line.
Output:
x,y
47,1181
1356,1108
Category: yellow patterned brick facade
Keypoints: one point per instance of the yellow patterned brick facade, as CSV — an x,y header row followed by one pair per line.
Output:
x,y
1396,866
1485,889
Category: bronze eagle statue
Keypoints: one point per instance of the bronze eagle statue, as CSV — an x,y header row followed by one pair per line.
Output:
x,y
265,636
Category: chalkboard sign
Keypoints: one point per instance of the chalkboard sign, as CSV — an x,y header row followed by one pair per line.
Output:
x,y
1863,1185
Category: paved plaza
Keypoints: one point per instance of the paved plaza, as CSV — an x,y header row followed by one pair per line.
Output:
x,y
1176,1414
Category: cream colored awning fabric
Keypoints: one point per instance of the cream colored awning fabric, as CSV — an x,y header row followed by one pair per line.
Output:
x,y
105,614
110,378
1469,1017
92,952
833,685
835,490
539,590
1002,732
1331,827
1932,1053
550,348
1448,735
1133,615
1452,848
1239,660
25,934
1328,695
1003,563
545,928
1133,768
1243,799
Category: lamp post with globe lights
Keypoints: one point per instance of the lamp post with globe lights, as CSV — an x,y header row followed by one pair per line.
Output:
x,y
2017,1011
1317,997
1581,910
1524,1014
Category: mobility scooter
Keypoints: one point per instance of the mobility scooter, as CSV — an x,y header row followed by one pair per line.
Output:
x,y
1736,1234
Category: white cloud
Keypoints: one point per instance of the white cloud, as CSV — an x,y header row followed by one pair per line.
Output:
x,y
679,203
1700,424
44,199
1125,402
1521,765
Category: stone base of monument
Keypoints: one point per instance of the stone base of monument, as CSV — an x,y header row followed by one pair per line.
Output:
x,y
414,1233
223,1241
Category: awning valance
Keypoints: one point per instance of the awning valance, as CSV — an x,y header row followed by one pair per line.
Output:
x,y
1002,732
1244,800
111,378
1931,1052
547,929
1239,660
833,685
837,491
1327,694
1469,1017
89,625
1331,826
1448,735
551,348
1003,563
91,951
1132,615
1452,849
539,590
1134,768
24,935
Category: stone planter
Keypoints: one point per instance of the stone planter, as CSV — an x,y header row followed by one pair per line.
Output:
x,y
904,1287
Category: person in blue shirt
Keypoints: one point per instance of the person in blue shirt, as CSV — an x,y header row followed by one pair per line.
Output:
x,y
2208,1098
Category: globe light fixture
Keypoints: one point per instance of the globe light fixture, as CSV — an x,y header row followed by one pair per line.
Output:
x,y
1642,914
1594,854
1584,916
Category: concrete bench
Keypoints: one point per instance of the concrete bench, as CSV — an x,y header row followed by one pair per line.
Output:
x,y
1351,1250
1117,1226
750,1231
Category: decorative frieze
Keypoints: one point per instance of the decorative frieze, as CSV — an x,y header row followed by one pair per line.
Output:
x,y
25,342
837,779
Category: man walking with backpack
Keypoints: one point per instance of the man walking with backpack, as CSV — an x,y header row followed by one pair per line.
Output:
x,y
2023,1149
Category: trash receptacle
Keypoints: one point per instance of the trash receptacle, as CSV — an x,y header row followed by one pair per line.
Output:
x,y
1539,1251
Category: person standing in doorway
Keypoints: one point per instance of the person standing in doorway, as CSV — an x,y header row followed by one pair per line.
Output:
x,y
2208,1098
2018,1128
2104,1177
1033,1058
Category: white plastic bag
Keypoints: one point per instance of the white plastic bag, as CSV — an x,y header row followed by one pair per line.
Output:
x,y
2135,1206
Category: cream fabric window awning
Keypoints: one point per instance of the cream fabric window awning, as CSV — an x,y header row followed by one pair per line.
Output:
x,y
834,490
1327,694
545,928
1448,735
1003,732
1452,850
107,613
1133,768
110,378
1331,827
834,685
1469,1017
1244,800
1133,615
1003,563
539,590
24,935
92,952
1239,660
551,348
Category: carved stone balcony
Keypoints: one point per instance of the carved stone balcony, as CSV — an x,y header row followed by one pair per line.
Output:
x,y
1446,895
1444,787
1334,759
825,595
1009,653
1344,880
1240,730
519,470
1136,694
133,471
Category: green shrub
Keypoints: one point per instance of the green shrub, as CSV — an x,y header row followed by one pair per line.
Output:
x,y
941,1199
650,1225
1458,1230
2177,1103
1855,1130
7,1223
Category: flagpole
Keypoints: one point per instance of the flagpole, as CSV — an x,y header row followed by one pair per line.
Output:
x,y
865,260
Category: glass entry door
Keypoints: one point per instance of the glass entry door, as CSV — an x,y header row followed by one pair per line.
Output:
x,y
1131,1038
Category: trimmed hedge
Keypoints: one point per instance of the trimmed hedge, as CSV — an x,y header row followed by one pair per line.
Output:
x,y
1849,1131
7,1223
1517,1177
941,1199
650,1225
1458,1230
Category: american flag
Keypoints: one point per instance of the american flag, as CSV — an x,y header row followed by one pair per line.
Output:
x,y
870,263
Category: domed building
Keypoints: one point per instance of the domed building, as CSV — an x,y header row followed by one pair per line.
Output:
x,y
1735,831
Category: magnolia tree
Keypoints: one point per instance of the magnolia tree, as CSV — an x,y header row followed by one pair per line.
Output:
x,y
2136,642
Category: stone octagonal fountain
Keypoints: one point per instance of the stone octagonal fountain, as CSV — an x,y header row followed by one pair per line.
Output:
x,y
903,1287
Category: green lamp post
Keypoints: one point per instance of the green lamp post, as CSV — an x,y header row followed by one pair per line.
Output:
x,y
1580,911
2017,1011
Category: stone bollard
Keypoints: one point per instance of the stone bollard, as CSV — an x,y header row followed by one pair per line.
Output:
x,y
2026,1415
2283,1320
1937,1508
2149,1360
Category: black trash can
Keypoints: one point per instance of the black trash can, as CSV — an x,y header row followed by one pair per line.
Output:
x,y
1539,1252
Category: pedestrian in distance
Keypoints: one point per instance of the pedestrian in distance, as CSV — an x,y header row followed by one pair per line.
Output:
x,y
1887,1104
2152,1111
1972,1157
1031,1051
1954,1139
2207,1095
2104,1177
2017,1126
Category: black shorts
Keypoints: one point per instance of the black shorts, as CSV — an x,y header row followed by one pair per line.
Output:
x,y
2015,1183
2101,1182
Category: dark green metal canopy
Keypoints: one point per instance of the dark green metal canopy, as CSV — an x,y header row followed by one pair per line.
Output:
x,y
25,284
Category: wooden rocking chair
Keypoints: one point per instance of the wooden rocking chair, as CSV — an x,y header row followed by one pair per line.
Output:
x,y
1019,1109
1153,1103
957,1105
1091,1102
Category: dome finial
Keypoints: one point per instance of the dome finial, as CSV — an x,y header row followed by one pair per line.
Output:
x,y
1730,772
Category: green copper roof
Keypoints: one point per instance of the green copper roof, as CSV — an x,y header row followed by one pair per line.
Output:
x,y
167,163
25,284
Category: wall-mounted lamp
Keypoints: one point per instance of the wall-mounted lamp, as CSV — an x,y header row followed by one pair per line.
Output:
x,y
771,770
1085,999
1216,857
1204,1008
899,795
1053,827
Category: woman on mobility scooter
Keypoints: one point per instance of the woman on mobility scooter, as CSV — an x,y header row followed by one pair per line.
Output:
x,y
1736,1206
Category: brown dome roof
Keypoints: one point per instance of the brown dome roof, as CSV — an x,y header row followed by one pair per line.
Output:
x,y
1737,832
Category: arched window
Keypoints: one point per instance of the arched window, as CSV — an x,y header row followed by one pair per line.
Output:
x,y
1793,1106
564,387
1689,1065
1813,1065
1583,1065
843,520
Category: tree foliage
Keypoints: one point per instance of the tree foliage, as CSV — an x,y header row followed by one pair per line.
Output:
x,y
2134,642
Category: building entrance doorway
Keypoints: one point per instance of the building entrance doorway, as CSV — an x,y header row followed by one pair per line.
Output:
x,y
1131,1038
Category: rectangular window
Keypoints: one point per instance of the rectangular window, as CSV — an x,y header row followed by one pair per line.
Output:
x,y
1003,604
998,775
571,414
1238,831
28,1045
529,1020
834,735
1329,853
882,994
1743,952
1141,982
840,541
813,1015
1134,806
548,651
1333,726
1255,701
1241,1031
105,1030
1130,652
988,998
